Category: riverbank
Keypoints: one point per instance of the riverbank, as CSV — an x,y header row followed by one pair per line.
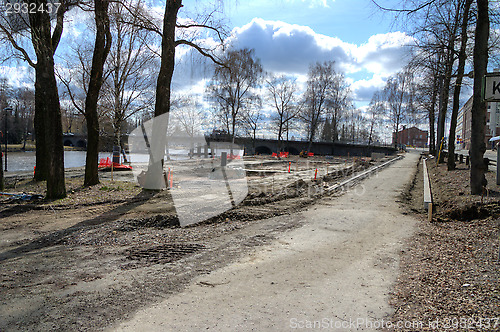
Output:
x,y
19,147
450,268
31,147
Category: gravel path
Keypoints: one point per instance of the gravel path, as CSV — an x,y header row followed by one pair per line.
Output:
x,y
335,271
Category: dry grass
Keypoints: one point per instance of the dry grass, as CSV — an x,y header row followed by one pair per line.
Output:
x,y
450,267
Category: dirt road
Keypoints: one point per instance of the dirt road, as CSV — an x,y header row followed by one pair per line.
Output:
x,y
335,271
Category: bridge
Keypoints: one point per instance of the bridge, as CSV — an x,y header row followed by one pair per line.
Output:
x,y
268,146
76,140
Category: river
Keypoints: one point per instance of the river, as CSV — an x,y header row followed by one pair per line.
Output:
x,y
25,161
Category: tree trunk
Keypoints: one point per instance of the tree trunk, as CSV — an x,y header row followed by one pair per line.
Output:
x,y
47,106
335,131
478,146
311,137
432,118
42,162
396,133
101,50
2,185
162,104
167,57
254,139
46,88
91,160
462,56
445,92
118,134
445,95
371,132
233,128
280,133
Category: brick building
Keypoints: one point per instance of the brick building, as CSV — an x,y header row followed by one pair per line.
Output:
x,y
411,137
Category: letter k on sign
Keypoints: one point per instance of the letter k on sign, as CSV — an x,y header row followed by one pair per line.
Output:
x,y
496,87
492,87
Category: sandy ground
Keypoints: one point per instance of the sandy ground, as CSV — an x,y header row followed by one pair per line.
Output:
x,y
101,254
335,271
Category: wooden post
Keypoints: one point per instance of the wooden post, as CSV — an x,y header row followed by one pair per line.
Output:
x,y
429,216
440,150
498,165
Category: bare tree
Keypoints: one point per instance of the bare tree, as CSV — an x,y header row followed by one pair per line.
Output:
x,y
173,34
5,94
339,99
232,86
444,23
129,86
354,124
427,91
45,38
320,90
252,119
90,74
462,57
398,99
24,104
101,50
169,32
375,113
282,96
188,115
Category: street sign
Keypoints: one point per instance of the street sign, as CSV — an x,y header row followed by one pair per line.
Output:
x,y
491,86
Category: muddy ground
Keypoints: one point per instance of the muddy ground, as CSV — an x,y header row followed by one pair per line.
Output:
x,y
94,258
450,270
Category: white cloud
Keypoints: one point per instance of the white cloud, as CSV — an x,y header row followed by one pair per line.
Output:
x,y
384,53
363,89
284,47
290,48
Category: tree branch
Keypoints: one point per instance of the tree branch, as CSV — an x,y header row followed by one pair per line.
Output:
x,y
151,28
66,84
56,36
199,49
408,11
17,47
201,26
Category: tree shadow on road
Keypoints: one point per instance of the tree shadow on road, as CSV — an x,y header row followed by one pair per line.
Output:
x,y
56,237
